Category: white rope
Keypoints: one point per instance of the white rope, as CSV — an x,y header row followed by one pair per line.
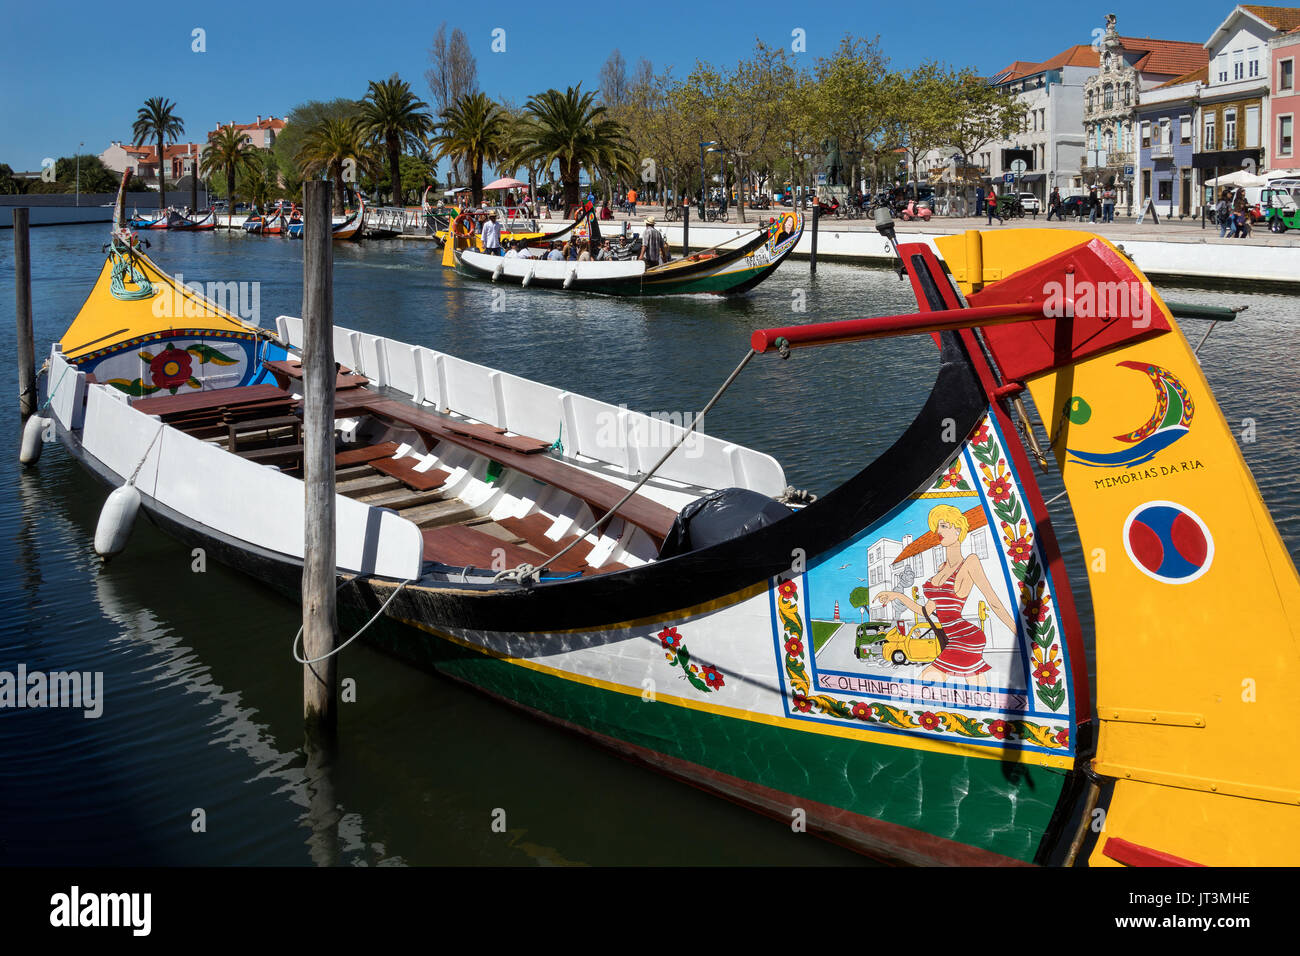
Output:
x,y
135,474
297,637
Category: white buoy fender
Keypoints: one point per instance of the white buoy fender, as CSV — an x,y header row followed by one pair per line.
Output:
x,y
33,438
500,268
529,278
116,520
568,279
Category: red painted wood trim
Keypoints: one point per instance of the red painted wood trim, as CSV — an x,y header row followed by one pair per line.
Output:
x,y
1134,854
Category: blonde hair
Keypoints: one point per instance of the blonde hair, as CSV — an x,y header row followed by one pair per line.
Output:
x,y
953,516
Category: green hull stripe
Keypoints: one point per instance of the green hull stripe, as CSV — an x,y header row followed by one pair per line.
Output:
x,y
996,806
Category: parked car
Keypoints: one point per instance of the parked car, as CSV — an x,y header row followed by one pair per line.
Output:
x,y
1031,203
1074,206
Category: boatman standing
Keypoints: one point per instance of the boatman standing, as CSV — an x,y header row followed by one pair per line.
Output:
x,y
652,244
491,235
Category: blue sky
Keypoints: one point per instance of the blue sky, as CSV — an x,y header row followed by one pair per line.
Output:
x,y
70,74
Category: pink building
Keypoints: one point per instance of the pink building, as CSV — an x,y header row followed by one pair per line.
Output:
x,y
1284,100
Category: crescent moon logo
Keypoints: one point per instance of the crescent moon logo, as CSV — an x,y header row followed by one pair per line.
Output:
x,y
1170,420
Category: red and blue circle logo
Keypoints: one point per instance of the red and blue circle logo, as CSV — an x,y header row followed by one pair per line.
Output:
x,y
1168,542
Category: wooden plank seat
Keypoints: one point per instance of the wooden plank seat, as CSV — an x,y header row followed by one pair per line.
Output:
x,y
365,455
459,546
247,428
287,370
286,457
497,436
533,530
214,401
403,469
597,493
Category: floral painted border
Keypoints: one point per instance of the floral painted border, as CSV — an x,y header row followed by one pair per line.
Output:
x,y
1026,564
937,723
703,677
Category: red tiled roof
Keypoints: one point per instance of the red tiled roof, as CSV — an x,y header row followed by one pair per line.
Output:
x,y
1196,76
149,154
1280,18
1166,57
1080,55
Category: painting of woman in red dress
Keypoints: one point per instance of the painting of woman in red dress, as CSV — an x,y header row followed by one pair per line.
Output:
x,y
945,596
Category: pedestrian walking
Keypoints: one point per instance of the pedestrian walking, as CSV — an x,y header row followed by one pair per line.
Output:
x,y
1241,218
1223,213
1094,204
1108,205
979,200
992,200
1054,206
631,202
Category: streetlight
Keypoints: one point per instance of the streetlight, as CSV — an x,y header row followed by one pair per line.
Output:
x,y
79,147
703,201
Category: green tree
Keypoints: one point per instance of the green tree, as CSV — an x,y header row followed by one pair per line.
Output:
x,y
570,130
333,148
157,120
860,598
228,153
10,185
476,130
395,119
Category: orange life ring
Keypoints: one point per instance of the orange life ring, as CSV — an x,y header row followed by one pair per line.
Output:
x,y
467,221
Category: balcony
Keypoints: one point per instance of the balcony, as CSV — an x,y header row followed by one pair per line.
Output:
x,y
1162,150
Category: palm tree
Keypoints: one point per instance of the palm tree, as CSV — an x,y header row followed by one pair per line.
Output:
x,y
476,129
393,117
326,149
228,152
566,128
155,120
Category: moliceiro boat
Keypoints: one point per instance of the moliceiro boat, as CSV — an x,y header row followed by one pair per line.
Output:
x,y
653,588
719,270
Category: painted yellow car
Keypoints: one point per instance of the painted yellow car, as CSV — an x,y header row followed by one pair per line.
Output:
x,y
920,646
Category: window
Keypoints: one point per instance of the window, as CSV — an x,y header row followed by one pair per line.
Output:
x,y
1090,101
1238,65
1230,128
1108,95
1252,61
1285,75
1166,190
980,543
1284,127
1221,66
1146,135
1208,143
1252,127
1128,94
1185,128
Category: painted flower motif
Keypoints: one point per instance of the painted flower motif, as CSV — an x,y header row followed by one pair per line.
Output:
x,y
794,647
952,478
999,485
981,435
670,638
1033,604
1046,669
929,721
999,729
1063,738
802,703
171,368
862,711
788,589
712,676
1019,541
670,657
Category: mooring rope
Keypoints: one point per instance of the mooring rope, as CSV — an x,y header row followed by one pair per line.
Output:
x,y
316,660
525,573
122,265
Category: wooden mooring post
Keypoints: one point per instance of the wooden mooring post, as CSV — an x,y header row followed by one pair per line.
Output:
x,y
23,314
686,230
319,614
817,215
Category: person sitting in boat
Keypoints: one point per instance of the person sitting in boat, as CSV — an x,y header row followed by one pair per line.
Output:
x,y
606,253
556,252
945,596
584,251
512,250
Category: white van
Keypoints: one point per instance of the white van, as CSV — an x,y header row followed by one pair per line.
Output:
x,y
1280,193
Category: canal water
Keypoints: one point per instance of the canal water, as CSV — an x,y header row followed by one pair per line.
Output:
x,y
197,757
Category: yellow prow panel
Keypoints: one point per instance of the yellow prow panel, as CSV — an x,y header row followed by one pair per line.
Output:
x,y
1196,599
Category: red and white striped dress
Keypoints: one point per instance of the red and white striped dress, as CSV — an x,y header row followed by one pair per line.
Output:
x,y
964,655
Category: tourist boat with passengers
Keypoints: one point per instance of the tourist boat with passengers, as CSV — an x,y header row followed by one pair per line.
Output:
x,y
664,594
137,221
729,269
183,223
